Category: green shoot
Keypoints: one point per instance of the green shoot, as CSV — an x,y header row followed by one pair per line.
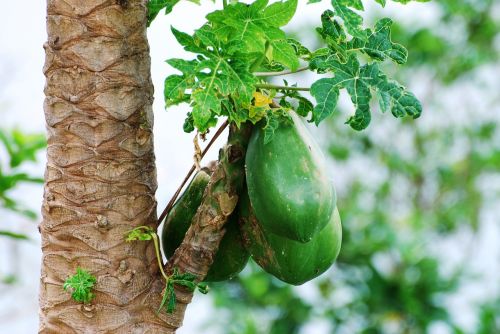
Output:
x,y
81,285
187,280
144,233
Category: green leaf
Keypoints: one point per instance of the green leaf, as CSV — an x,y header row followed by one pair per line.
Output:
x,y
279,13
185,66
206,104
346,76
300,50
140,233
357,4
81,285
358,81
352,21
256,25
395,97
284,53
155,6
305,106
14,235
378,44
21,147
274,118
272,124
188,42
175,88
218,74
326,93
186,280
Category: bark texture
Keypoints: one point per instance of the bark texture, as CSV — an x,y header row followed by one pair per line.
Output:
x,y
100,174
100,177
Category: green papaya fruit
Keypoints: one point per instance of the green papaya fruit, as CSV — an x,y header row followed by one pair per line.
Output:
x,y
291,261
231,257
288,182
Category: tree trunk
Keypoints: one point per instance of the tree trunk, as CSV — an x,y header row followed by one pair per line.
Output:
x,y
100,177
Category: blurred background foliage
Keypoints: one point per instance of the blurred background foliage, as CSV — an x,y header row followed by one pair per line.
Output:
x,y
406,192
16,150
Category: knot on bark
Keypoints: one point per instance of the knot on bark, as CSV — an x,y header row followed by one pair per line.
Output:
x,y
234,153
123,3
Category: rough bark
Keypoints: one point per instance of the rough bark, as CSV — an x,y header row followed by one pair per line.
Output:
x,y
100,177
100,174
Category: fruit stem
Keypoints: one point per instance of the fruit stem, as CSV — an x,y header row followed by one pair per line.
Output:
x,y
170,204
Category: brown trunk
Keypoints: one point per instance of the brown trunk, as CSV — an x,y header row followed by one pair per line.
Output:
x,y
100,175
100,178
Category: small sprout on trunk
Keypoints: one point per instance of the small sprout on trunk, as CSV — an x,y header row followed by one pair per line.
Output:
x,y
187,280
81,285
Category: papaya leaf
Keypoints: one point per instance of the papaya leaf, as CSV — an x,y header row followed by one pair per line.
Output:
x,y
359,81
156,6
341,59
279,13
326,93
186,280
275,118
352,20
255,25
378,44
140,233
396,98
217,74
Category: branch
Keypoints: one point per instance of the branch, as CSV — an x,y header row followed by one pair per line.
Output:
x,y
197,251
285,72
270,86
170,204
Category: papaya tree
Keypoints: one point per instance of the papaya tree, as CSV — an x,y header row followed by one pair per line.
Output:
x,y
101,263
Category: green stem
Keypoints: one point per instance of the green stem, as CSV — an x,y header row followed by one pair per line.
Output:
x,y
158,255
270,86
224,3
271,74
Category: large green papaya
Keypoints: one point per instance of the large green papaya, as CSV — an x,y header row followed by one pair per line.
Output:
x,y
291,261
231,257
288,182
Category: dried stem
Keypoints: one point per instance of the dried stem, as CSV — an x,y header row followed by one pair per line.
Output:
x,y
170,204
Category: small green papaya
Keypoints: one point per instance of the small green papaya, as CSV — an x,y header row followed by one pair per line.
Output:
x,y
288,182
179,218
291,261
231,257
